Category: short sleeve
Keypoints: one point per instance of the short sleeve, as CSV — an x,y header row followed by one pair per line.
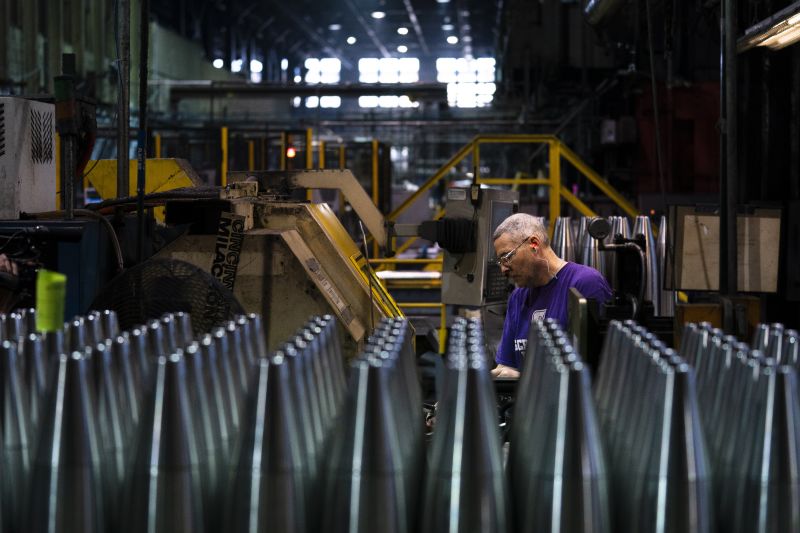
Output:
x,y
594,286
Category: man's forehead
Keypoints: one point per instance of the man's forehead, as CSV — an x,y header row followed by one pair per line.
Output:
x,y
505,240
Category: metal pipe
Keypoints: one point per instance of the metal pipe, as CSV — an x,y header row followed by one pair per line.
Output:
x,y
729,141
123,105
141,150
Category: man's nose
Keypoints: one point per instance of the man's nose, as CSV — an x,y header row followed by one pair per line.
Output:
x,y
504,268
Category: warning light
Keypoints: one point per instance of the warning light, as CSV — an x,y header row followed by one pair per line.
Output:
x,y
291,152
652,212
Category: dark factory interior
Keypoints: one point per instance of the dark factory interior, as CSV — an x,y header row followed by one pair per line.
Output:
x,y
400,266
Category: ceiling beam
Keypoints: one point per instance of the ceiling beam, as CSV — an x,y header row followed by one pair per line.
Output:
x,y
412,16
367,28
194,90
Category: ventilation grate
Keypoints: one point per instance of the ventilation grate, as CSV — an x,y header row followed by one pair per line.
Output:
x,y
41,136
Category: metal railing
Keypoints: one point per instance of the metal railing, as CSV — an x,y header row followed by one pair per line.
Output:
x,y
557,151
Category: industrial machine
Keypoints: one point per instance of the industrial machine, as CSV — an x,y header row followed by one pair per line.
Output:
x,y
284,257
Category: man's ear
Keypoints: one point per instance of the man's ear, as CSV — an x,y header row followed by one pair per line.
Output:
x,y
533,242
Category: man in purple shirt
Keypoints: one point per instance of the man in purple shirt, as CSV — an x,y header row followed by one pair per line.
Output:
x,y
542,282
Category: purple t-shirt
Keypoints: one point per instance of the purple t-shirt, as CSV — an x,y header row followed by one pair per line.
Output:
x,y
549,301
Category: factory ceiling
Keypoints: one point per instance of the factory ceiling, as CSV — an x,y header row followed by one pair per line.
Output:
x,y
273,30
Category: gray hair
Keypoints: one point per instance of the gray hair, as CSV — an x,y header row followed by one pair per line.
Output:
x,y
521,226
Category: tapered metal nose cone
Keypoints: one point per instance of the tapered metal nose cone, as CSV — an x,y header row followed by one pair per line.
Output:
x,y
94,328
110,323
584,493
259,334
685,473
207,432
311,431
228,379
141,358
186,333
239,356
761,338
365,488
77,336
770,499
271,479
172,338
130,391
157,342
590,254
16,437
466,483
667,300
35,376
563,241
249,341
652,291
331,339
112,430
791,348
218,400
11,326
29,320
165,486
67,492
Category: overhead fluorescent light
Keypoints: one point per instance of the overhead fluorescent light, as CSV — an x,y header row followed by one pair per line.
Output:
x,y
236,65
256,65
452,39
378,14
775,32
447,27
402,49
442,1
218,63
335,27
284,64
351,40
402,30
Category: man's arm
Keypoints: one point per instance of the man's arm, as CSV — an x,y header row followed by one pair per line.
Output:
x,y
503,371
505,357
7,265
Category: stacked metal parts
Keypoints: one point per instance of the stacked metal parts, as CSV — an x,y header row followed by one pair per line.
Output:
x,y
749,400
375,460
556,464
287,435
466,488
589,253
125,431
563,243
647,406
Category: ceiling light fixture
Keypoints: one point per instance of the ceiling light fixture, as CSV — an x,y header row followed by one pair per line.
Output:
x,y
236,65
447,27
351,40
378,14
218,63
402,49
298,79
775,32
335,27
452,39
284,64
402,30
256,65
442,1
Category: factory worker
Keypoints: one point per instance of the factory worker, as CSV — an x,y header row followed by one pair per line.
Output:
x,y
542,282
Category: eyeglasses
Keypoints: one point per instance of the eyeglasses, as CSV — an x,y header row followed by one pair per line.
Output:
x,y
505,259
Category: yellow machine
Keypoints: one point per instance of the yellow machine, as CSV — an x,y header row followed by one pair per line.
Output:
x,y
287,259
